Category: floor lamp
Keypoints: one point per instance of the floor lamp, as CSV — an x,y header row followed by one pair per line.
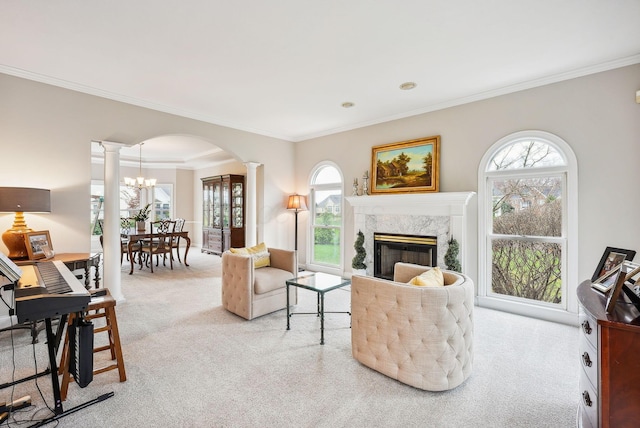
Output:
x,y
21,200
297,203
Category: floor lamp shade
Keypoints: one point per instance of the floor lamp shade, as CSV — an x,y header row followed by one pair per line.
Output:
x,y
297,203
21,200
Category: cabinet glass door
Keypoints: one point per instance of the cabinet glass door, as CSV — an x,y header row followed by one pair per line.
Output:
x,y
206,205
216,206
225,205
237,205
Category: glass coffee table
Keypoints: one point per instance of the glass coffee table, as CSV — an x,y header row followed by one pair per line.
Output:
x,y
321,283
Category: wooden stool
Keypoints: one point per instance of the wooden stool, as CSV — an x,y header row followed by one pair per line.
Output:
x,y
99,307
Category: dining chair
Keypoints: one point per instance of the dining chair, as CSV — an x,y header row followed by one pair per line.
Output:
x,y
158,244
175,239
125,224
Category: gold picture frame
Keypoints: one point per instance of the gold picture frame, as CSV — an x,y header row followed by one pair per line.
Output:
x,y
37,243
406,167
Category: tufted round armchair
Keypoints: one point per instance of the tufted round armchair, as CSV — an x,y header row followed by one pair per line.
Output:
x,y
421,336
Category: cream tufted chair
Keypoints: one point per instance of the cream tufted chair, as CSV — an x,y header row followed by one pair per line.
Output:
x,y
250,292
421,336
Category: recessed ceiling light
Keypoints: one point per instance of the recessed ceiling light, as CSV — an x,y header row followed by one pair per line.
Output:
x,y
406,86
347,104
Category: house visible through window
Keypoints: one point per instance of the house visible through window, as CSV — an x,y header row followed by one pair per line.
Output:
x,y
526,201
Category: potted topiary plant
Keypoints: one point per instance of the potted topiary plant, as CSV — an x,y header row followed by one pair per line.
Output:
x,y
357,263
451,256
142,217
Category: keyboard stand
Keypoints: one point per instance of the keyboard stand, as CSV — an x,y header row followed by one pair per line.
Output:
x,y
58,338
53,342
59,412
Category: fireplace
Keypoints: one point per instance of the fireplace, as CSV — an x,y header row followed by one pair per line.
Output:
x,y
441,214
389,248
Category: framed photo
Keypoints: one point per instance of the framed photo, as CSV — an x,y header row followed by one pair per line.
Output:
x,y
48,252
611,258
36,243
627,271
608,280
406,167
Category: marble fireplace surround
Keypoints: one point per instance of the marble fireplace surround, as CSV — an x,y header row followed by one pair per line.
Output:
x,y
434,214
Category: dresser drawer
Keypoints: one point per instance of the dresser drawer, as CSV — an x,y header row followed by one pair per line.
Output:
x,y
588,401
588,360
588,327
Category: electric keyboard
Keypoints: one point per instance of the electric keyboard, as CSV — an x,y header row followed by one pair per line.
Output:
x,y
48,289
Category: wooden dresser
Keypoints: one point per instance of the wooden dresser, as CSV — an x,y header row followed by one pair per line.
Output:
x,y
610,360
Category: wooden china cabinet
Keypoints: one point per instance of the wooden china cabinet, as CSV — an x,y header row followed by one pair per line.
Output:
x,y
610,360
223,216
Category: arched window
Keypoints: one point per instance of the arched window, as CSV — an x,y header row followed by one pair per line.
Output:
x,y
326,219
527,185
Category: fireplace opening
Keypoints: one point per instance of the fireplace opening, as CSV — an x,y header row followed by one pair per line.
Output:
x,y
390,248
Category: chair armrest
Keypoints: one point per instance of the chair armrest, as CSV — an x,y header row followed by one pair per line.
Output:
x,y
237,283
283,259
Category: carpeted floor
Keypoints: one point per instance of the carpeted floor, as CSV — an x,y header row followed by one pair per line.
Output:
x,y
190,363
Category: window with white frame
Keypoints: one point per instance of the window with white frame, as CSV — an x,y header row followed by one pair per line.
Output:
x,y
527,199
326,221
131,200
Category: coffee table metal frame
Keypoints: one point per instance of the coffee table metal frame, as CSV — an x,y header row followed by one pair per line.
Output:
x,y
321,283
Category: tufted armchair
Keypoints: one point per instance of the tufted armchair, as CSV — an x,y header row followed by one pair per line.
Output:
x,y
250,292
421,336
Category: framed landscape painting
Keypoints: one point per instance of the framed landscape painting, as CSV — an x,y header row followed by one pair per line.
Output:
x,y
407,166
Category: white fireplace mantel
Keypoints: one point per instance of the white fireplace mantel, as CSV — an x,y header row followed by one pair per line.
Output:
x,y
445,203
459,207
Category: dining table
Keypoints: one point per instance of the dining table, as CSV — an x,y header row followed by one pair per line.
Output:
x,y
133,236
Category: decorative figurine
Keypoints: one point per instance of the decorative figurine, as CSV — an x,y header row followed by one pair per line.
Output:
x,y
355,187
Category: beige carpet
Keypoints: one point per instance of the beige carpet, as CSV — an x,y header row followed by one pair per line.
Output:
x,y
192,364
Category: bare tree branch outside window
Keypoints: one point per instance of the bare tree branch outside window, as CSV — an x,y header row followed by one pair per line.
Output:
x,y
527,207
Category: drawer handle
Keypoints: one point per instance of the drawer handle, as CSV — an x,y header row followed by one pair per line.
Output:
x,y
586,327
586,360
586,399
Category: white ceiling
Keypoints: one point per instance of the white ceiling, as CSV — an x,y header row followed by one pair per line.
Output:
x,y
283,68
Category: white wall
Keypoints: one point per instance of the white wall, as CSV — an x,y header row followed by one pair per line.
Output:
x,y
596,115
45,135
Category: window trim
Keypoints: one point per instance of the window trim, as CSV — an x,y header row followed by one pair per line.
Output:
x,y
567,314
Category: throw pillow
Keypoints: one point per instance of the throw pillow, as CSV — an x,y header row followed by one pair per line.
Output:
x,y
259,253
431,278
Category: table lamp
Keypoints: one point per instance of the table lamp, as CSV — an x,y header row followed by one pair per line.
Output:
x,y
297,203
21,200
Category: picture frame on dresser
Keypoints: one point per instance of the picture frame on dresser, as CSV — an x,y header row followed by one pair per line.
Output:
x,y
626,273
607,280
611,258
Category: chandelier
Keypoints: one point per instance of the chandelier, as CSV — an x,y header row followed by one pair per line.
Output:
x,y
140,182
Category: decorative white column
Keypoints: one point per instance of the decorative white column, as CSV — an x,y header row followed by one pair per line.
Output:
x,y
251,220
111,232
